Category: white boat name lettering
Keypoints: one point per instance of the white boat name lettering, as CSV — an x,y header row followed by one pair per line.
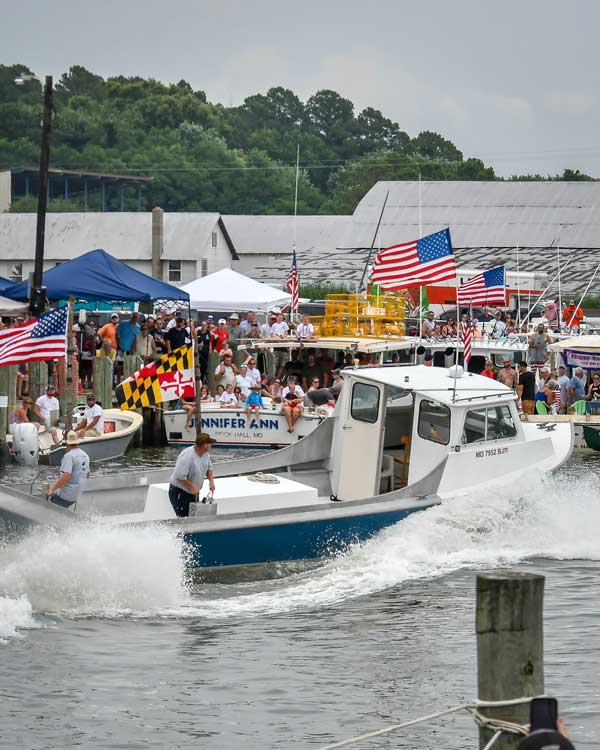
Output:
x,y
239,423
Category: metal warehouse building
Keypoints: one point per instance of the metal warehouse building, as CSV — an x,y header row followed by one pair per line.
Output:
x,y
488,221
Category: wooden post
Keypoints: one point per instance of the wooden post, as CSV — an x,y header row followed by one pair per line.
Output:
x,y
70,396
510,647
103,380
38,379
8,396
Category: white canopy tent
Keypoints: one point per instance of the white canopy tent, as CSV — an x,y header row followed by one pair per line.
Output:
x,y
229,291
9,308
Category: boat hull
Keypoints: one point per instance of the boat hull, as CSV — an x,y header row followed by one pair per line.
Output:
x,y
293,541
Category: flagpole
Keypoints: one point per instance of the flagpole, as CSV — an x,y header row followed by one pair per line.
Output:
x,y
420,287
295,311
559,315
518,290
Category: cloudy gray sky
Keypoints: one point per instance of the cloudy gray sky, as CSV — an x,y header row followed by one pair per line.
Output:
x,y
515,83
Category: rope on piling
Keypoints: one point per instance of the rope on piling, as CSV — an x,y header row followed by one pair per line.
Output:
x,y
500,725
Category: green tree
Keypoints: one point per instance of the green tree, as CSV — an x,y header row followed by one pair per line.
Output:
x,y
434,146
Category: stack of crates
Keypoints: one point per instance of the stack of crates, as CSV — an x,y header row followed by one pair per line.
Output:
x,y
362,315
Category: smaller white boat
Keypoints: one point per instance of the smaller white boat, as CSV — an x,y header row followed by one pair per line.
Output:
x,y
31,447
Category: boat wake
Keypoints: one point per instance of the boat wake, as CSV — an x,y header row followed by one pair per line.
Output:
x,y
115,572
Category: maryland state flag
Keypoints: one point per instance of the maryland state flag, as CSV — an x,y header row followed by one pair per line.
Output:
x,y
169,378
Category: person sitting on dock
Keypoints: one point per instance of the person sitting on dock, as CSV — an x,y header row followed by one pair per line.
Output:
x,y
254,402
74,471
20,415
228,399
193,465
92,423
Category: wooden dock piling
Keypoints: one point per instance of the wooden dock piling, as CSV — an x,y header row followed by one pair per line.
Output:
x,y
510,647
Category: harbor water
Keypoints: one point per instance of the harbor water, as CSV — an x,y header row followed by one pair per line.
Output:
x,y
107,640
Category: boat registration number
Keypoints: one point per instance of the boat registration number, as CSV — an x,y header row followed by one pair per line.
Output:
x,y
491,452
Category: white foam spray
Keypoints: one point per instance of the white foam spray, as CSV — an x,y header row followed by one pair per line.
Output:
x,y
96,570
128,571
557,518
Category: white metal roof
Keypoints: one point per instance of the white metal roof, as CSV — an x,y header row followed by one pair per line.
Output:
x,y
435,383
125,235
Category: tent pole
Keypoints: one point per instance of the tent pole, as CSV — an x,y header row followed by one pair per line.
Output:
x,y
197,378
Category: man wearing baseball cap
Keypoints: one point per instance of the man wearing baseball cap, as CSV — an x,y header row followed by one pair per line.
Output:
x,y
74,470
92,423
192,466
109,331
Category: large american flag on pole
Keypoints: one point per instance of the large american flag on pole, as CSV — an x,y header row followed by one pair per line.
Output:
x,y
292,283
487,288
424,261
36,340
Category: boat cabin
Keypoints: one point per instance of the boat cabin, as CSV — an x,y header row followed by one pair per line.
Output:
x,y
396,424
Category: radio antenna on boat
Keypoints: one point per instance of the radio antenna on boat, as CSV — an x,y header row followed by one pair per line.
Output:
x,y
375,235
585,291
548,286
518,290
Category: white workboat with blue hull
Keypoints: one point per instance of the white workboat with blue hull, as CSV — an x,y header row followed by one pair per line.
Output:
x,y
401,439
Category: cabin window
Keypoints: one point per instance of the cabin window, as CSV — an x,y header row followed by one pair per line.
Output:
x,y
494,423
434,422
365,403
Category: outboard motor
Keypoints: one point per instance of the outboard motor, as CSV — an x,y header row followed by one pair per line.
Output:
x,y
26,444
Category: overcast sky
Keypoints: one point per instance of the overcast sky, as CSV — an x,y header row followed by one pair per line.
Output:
x,y
515,83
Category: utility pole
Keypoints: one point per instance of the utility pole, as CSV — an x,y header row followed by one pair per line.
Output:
x,y
37,293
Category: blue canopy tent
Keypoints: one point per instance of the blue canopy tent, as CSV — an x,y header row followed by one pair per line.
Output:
x,y
97,276
5,284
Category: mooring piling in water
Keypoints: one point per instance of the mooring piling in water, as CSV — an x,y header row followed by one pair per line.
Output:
x,y
510,648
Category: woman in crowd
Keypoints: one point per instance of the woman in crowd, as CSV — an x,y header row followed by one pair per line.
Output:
x,y
205,396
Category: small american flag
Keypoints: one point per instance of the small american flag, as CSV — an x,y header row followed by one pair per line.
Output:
x,y
466,335
415,263
487,288
36,340
292,283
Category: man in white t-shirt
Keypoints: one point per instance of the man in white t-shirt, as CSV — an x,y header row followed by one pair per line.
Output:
x,y
92,424
244,380
280,329
267,326
46,404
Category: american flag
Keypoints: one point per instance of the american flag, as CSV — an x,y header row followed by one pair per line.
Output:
x,y
487,288
466,335
36,340
416,263
292,283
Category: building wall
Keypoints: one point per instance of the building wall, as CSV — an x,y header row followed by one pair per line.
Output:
x,y
5,191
